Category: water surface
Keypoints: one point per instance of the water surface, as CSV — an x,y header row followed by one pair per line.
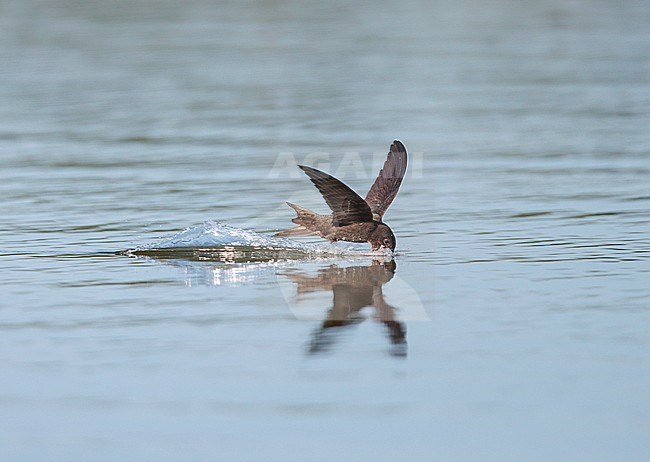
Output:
x,y
511,325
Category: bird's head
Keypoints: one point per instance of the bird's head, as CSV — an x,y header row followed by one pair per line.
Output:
x,y
382,236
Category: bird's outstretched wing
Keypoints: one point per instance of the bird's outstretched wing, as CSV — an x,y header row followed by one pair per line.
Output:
x,y
385,187
347,206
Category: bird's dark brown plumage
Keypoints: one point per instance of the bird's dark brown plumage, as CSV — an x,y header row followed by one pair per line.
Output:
x,y
384,189
347,206
353,218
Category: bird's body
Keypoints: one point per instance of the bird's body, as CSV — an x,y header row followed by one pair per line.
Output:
x,y
353,219
312,223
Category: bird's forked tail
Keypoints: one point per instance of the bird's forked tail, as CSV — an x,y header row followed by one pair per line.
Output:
x,y
306,220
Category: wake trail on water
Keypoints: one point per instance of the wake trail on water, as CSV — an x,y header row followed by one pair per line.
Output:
x,y
213,241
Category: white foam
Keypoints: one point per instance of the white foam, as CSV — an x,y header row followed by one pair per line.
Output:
x,y
216,235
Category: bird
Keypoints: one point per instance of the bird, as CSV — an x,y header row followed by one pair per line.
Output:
x,y
353,219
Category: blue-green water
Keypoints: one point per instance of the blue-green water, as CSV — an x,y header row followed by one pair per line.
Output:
x,y
513,325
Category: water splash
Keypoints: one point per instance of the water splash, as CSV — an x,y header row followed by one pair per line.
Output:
x,y
212,241
212,234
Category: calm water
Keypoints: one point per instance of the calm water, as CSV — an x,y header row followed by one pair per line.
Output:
x,y
512,325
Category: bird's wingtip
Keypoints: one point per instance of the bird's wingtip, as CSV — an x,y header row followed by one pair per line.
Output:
x,y
399,145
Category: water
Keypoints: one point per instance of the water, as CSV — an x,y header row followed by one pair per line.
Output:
x,y
512,324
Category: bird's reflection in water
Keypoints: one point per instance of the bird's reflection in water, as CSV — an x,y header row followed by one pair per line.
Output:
x,y
353,288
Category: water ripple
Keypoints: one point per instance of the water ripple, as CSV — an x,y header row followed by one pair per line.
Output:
x,y
212,241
